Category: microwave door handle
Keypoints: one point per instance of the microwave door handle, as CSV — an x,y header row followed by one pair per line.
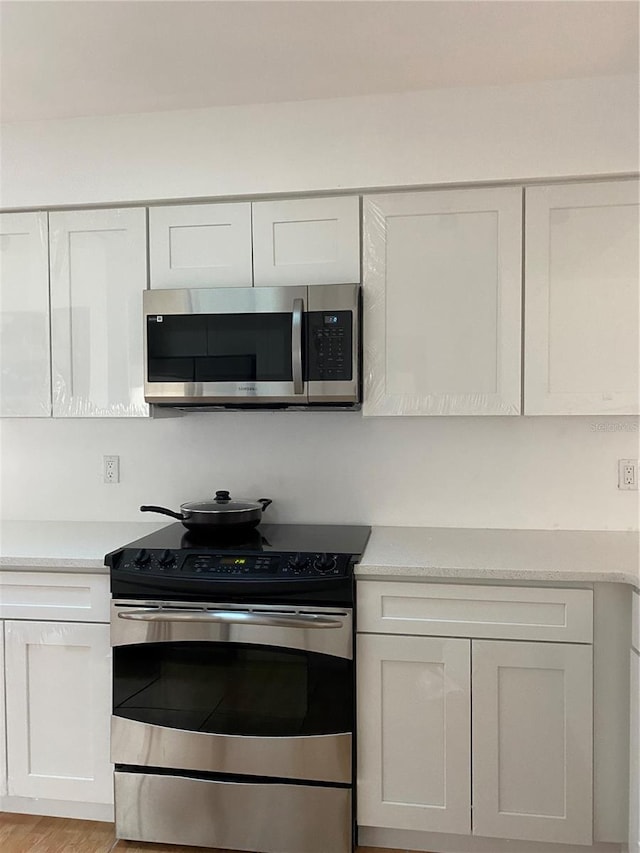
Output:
x,y
296,345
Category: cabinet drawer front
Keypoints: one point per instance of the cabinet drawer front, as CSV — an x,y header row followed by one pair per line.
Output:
x,y
53,595
449,610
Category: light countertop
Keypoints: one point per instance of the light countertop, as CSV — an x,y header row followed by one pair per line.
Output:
x,y
409,553
414,553
66,546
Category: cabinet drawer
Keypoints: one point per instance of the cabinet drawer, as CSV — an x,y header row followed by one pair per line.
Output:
x,y
450,610
54,596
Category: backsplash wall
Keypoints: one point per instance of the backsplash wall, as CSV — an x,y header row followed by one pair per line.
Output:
x,y
545,472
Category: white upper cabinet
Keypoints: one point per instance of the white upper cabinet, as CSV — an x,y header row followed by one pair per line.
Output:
x,y
25,364
306,241
200,245
581,299
266,243
98,263
442,276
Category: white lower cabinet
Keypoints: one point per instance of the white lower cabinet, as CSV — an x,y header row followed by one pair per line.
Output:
x,y
532,741
55,686
58,709
413,738
489,738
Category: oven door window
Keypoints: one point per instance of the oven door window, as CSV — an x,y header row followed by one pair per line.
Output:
x,y
220,348
233,689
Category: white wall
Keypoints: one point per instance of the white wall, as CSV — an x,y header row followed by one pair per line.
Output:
x,y
483,472
571,127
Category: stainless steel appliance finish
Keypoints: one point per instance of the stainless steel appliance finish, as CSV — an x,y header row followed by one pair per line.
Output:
x,y
270,818
321,758
318,346
233,688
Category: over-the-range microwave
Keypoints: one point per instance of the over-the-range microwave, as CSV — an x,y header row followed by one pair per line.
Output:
x,y
251,347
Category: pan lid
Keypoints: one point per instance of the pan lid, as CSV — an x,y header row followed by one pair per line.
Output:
x,y
222,504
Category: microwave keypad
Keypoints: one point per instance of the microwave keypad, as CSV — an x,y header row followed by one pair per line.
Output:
x,y
329,355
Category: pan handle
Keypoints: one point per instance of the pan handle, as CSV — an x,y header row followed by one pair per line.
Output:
x,y
163,511
265,502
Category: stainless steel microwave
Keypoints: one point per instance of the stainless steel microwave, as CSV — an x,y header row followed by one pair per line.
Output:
x,y
249,347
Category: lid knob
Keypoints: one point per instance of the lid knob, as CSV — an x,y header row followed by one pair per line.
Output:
x,y
222,497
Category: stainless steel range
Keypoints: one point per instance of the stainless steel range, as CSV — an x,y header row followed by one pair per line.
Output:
x,y
233,688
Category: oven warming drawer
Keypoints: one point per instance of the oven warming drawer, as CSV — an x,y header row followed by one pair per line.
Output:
x,y
272,818
323,758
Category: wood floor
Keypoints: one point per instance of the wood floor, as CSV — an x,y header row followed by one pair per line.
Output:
x,y
32,834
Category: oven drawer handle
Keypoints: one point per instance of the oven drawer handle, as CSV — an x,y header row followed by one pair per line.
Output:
x,y
280,620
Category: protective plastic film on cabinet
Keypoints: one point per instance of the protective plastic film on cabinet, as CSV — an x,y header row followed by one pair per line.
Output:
x,y
442,290
98,264
25,380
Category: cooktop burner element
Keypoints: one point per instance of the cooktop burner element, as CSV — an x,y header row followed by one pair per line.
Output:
x,y
304,561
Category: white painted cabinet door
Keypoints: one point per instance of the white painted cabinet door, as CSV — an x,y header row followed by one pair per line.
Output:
x,y
200,245
98,267
3,739
532,741
442,276
25,360
581,299
58,711
413,733
634,754
306,241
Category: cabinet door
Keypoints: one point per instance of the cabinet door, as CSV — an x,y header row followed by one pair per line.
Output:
x,y
532,741
58,711
306,241
200,245
581,299
442,277
413,733
634,755
25,386
3,739
98,273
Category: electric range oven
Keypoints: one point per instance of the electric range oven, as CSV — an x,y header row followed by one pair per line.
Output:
x,y
233,688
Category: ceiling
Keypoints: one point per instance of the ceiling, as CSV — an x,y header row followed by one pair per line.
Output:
x,y
101,57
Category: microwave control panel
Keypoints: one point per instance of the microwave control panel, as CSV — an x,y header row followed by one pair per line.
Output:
x,y
329,349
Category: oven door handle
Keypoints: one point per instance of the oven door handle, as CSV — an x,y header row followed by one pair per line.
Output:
x,y
279,620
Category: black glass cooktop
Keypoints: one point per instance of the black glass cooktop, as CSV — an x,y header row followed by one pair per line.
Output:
x,y
311,562
282,538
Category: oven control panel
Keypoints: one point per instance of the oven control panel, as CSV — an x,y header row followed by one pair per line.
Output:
x,y
240,566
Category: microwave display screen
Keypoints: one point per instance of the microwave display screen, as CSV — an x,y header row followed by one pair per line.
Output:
x,y
219,348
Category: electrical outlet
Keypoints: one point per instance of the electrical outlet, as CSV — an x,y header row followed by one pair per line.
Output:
x,y
111,469
628,474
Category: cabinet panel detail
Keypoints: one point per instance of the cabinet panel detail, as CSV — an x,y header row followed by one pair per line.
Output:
x,y
581,292
98,263
25,389
46,595
532,741
413,731
200,245
306,241
442,276
476,611
58,711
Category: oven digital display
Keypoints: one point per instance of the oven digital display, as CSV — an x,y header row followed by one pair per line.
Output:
x,y
233,561
330,319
